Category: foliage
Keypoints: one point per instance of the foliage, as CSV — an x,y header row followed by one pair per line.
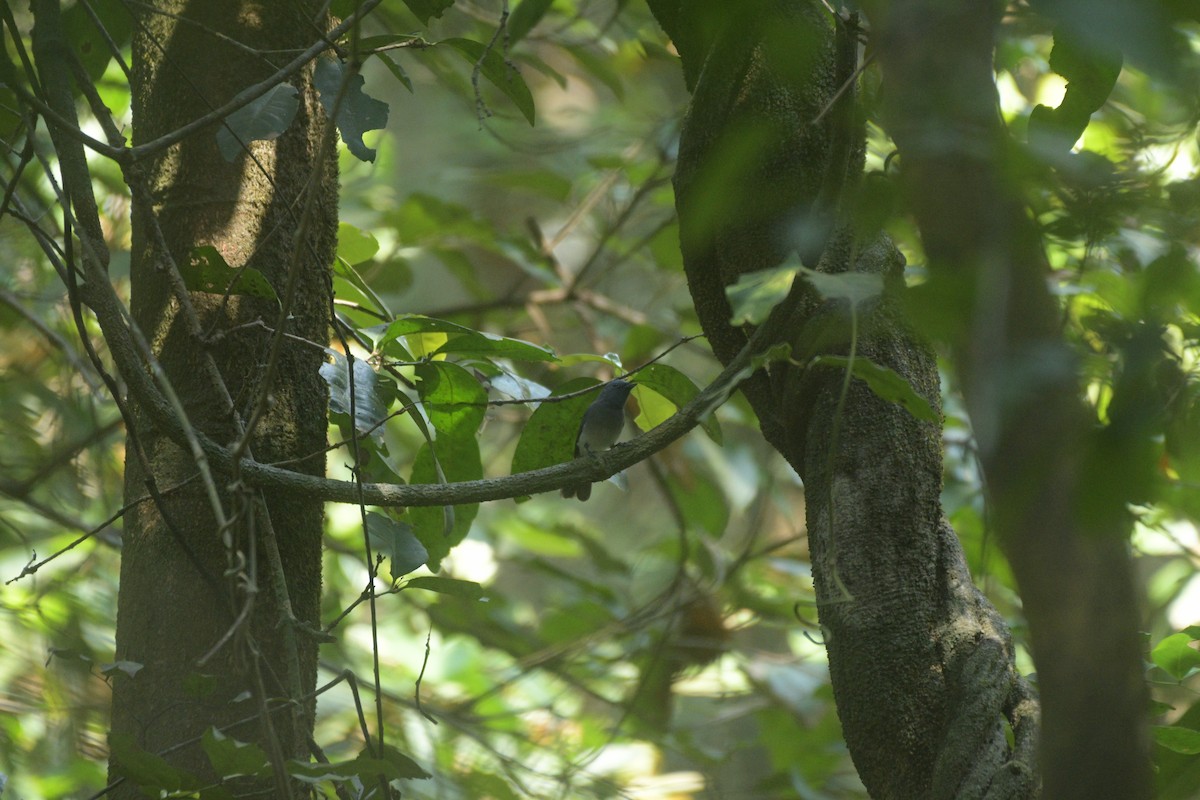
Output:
x,y
493,260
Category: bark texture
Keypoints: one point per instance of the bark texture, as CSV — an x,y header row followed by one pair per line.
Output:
x,y
185,582
769,165
1041,450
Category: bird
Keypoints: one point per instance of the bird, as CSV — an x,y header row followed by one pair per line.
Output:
x,y
599,429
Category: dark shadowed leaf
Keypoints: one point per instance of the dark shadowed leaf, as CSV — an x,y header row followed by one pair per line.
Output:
x,y
357,112
265,118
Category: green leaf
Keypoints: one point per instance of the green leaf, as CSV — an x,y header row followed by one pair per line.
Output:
x,y
678,389
425,9
489,345
396,541
231,758
265,118
394,765
498,72
854,287
87,40
397,71
756,293
1181,740
469,590
455,404
372,396
886,383
1176,655
1091,72
548,437
357,112
206,271
460,340
130,668
150,772
524,17
355,245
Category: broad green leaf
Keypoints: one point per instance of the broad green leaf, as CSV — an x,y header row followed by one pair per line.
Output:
x,y
426,9
1176,655
702,502
498,72
452,338
548,437
455,404
206,271
452,586
491,346
231,758
355,245
756,293
1091,72
854,287
89,44
886,383
372,396
265,118
524,17
675,387
1181,740
396,541
357,112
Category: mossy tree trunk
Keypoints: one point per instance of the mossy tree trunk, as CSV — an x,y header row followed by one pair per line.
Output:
x,y
769,168
202,607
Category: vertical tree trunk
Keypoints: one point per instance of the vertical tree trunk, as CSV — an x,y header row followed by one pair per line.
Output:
x,y
769,164
1037,441
188,586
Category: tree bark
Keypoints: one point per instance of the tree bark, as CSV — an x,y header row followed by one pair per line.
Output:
x,y
190,586
769,166
1040,447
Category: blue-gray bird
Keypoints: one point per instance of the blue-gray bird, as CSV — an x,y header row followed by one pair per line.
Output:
x,y
599,429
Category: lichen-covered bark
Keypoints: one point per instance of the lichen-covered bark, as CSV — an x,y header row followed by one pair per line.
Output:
x,y
921,664
179,594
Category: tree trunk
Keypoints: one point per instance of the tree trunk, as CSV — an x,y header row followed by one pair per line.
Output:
x,y
193,588
1043,454
769,165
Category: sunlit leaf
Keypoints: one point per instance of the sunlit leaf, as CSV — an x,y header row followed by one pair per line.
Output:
x,y
756,293
206,271
1176,655
1178,739
676,388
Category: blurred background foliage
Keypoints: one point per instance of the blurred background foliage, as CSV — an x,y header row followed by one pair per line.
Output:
x,y
660,640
